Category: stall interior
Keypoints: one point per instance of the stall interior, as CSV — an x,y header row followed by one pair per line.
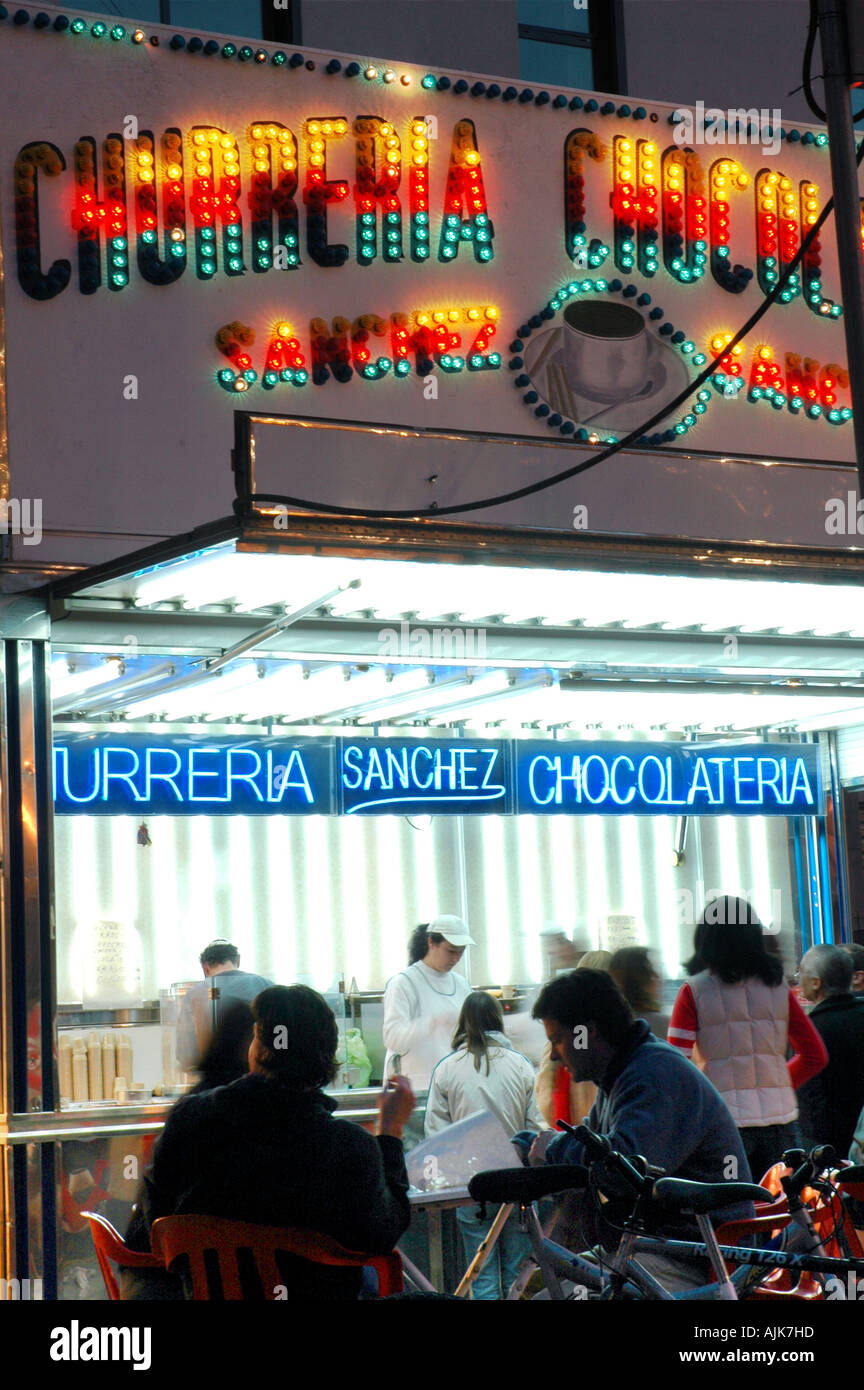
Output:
x,y
232,644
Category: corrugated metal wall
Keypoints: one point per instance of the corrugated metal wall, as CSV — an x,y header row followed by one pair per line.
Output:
x,y
318,897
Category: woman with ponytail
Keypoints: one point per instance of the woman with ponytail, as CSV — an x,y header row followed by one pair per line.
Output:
x,y
484,1072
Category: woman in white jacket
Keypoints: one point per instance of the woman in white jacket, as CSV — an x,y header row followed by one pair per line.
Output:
x,y
422,1003
484,1072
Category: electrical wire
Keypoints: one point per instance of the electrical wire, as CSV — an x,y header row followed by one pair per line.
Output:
x,y
808,62
331,509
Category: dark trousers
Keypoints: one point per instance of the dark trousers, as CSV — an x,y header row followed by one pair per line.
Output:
x,y
764,1145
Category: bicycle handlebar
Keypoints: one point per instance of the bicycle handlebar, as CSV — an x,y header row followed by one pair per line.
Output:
x,y
806,1167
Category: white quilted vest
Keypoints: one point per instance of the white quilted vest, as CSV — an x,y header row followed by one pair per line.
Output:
x,y
743,1039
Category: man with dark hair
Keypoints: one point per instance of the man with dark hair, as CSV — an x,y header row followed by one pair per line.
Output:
x,y
650,1101
829,1104
267,1149
856,951
220,962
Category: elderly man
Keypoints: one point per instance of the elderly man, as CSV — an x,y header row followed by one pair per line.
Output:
x,y
829,1104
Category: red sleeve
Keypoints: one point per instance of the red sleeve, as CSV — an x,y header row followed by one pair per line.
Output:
x,y
684,1023
809,1051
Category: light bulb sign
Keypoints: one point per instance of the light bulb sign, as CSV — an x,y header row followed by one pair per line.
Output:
x,y
191,226
147,775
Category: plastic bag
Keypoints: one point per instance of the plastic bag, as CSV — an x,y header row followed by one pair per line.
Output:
x,y
357,1058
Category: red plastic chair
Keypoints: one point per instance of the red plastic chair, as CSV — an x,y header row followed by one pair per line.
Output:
x,y
196,1237
783,1284
110,1248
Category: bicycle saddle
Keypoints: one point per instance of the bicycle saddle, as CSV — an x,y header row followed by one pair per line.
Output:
x,y
526,1184
676,1194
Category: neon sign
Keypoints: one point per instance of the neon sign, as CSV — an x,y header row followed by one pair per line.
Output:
x,y
183,776
667,779
459,778
140,774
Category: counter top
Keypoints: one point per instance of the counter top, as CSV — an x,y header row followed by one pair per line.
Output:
x,y
360,1105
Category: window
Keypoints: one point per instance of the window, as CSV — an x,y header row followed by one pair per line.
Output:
x,y
572,43
253,19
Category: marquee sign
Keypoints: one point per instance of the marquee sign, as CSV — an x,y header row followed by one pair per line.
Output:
x,y
148,775
191,225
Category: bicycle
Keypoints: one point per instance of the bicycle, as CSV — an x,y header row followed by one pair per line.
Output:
x,y
621,1275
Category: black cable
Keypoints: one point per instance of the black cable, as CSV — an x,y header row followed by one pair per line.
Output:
x,y
812,28
330,509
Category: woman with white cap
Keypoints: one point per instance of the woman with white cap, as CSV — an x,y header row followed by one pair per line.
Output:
x,y
422,1004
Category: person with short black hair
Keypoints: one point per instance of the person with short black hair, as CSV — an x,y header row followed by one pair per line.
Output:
x,y
220,962
831,1102
737,1018
268,1150
650,1100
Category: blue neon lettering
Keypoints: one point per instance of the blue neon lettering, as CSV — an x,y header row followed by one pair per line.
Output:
x,y
295,761
492,756
449,771
739,777
465,769
109,776
375,772
721,776
799,774
151,776
535,796
670,799
61,755
574,776
196,774
243,776
764,780
352,759
651,758
621,800
397,768
700,770
595,758
415,778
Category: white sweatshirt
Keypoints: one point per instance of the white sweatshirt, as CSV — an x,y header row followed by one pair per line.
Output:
x,y
458,1089
421,1010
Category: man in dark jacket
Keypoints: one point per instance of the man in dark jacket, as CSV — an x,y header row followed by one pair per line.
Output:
x,y
650,1101
829,1104
267,1150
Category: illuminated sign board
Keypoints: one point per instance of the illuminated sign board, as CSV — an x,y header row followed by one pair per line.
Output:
x,y
457,778
143,775
223,224
667,779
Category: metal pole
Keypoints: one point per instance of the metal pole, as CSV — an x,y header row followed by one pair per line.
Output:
x,y
847,215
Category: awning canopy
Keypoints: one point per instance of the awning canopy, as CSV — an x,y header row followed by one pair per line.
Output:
x,y
428,626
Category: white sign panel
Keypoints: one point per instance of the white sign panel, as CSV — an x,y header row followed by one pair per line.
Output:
x,y
191,226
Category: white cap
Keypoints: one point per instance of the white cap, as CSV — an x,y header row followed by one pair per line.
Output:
x,y
453,929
